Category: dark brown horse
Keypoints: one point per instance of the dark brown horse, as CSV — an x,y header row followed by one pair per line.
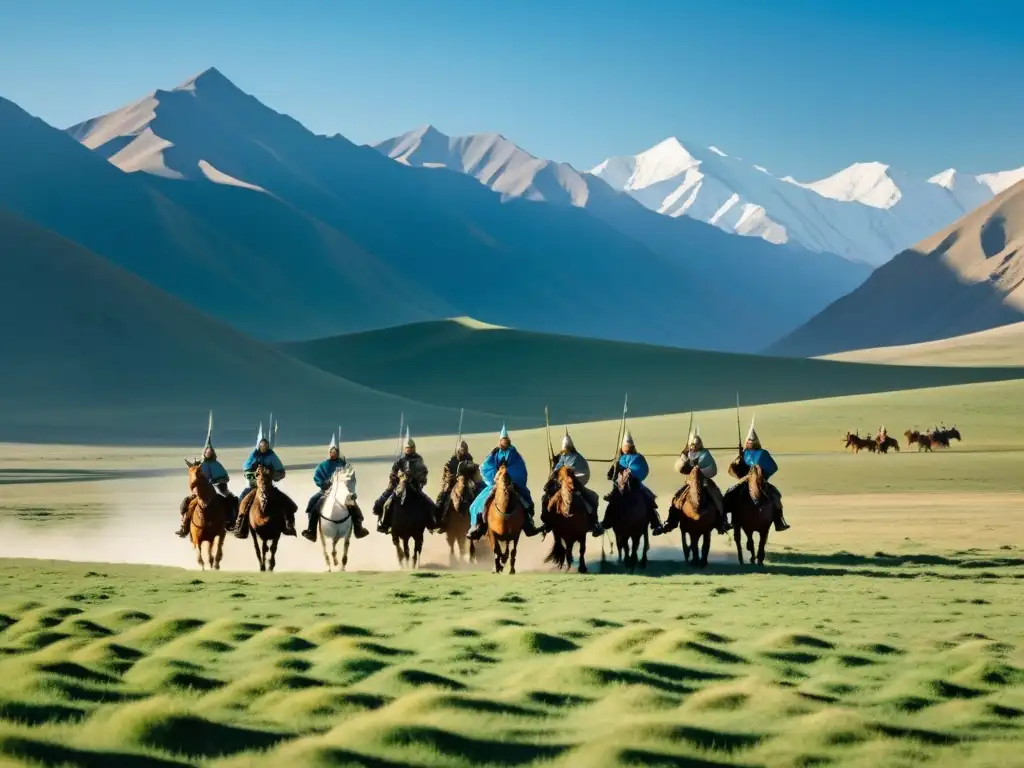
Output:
x,y
412,512
753,511
568,520
887,443
858,443
263,513
630,524
456,522
505,519
698,516
923,441
209,518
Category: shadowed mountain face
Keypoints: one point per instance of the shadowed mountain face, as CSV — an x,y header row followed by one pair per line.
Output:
x,y
95,354
240,255
786,284
584,379
208,146
964,279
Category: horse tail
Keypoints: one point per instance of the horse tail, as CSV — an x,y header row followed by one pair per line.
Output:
x,y
557,554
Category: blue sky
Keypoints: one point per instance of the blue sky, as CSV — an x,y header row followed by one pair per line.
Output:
x,y
800,87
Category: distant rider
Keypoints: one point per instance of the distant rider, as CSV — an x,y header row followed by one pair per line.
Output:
x,y
574,460
696,455
263,456
635,462
322,477
753,454
218,476
450,475
415,469
507,454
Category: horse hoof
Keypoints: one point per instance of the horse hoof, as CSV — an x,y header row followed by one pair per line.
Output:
x,y
583,569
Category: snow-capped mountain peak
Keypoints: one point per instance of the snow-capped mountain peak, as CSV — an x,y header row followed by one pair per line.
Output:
x,y
867,183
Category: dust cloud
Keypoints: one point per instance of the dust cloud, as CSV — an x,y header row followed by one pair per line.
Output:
x,y
133,521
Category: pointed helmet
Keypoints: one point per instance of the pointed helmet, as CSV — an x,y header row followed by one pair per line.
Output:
x,y
209,433
334,444
409,443
503,435
567,444
752,433
627,439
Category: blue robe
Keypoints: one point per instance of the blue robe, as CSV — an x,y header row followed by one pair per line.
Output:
x,y
636,464
325,471
214,471
516,471
761,458
268,459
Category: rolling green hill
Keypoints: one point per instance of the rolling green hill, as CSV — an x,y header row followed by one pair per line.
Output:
x,y
996,346
461,363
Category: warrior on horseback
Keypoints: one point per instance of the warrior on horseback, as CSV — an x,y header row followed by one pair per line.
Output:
x,y
460,460
880,438
505,453
218,477
752,454
571,458
263,456
696,455
322,478
410,464
635,463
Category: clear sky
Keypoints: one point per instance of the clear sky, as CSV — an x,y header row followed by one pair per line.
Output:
x,y
800,87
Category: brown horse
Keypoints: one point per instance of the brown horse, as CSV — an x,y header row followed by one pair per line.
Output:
x,y
209,519
753,511
505,519
858,443
265,510
887,443
698,516
569,523
924,442
457,522
630,521
411,514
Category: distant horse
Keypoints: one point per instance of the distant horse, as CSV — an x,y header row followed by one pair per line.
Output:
x,y
753,511
941,436
456,522
336,514
630,518
858,443
210,513
263,513
698,516
923,441
411,515
569,522
505,519
887,443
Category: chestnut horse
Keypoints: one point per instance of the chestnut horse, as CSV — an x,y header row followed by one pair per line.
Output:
x,y
753,511
411,514
569,523
505,519
456,522
210,513
697,516
264,510
630,521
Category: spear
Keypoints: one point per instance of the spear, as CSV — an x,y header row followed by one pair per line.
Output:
x,y
739,429
458,440
551,450
401,425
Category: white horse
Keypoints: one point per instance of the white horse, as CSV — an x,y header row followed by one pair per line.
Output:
x,y
335,515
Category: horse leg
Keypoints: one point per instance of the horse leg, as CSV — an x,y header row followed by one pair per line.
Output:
x,y
398,550
568,554
583,556
472,551
344,552
704,551
220,551
647,548
451,551
418,551
405,553
514,546
762,540
259,554
497,557
199,554
323,546
273,552
750,545
736,534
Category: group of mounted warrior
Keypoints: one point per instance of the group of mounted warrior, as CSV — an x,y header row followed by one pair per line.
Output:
x,y
939,437
490,499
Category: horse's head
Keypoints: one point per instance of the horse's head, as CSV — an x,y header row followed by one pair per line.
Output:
x,y
624,480
264,477
342,485
195,476
954,432
561,501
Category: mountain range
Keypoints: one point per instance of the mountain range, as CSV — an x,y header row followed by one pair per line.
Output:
x,y
244,213
965,278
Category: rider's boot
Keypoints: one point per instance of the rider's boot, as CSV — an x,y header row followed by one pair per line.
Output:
x,y
480,529
655,521
357,522
311,527
183,529
289,525
780,522
596,529
529,526
673,520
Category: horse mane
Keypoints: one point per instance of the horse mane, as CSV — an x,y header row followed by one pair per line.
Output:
x,y
502,491
755,483
694,490
200,483
561,502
